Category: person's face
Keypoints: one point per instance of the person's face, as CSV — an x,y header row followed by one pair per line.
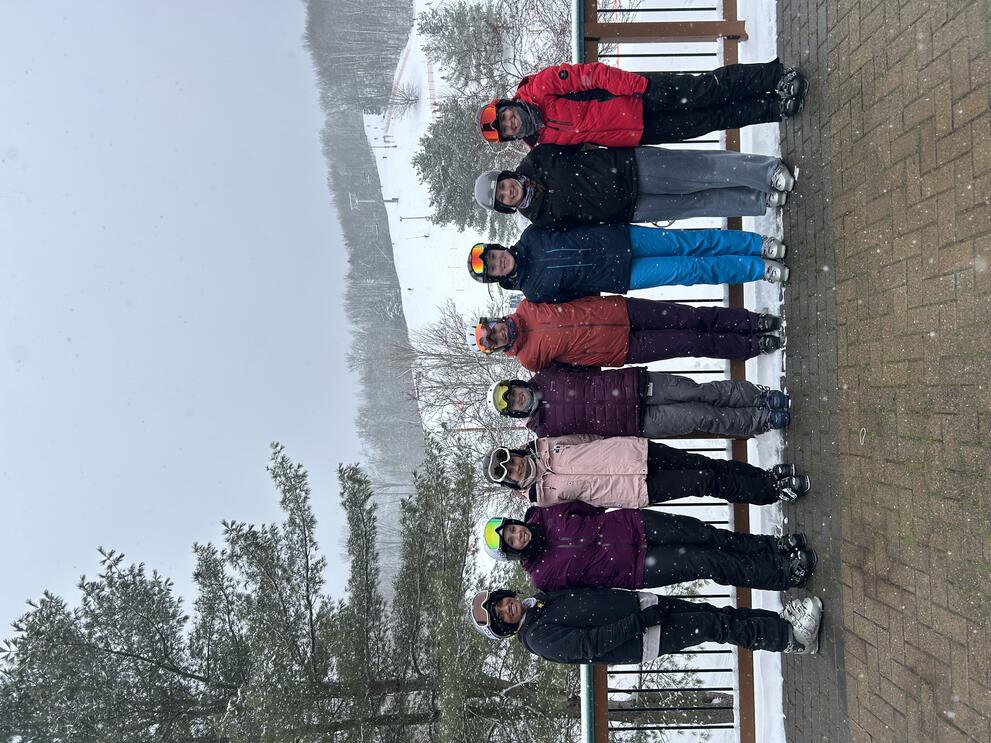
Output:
x,y
516,467
509,192
516,536
510,610
498,335
519,399
499,262
509,121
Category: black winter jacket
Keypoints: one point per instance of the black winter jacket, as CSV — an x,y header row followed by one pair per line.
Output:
x,y
592,625
558,266
577,187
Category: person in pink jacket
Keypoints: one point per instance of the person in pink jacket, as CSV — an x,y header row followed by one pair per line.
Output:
x,y
632,472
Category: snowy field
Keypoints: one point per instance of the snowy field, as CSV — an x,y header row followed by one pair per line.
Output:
x,y
430,260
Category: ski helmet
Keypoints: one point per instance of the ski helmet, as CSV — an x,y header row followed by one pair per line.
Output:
x,y
485,190
498,398
495,544
483,616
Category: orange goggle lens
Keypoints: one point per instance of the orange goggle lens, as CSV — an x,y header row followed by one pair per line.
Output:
x,y
482,338
477,261
487,123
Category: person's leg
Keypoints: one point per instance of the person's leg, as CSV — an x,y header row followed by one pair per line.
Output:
x,y
667,91
662,127
690,270
665,565
649,242
687,623
676,530
648,314
715,202
666,388
673,474
654,345
680,418
663,171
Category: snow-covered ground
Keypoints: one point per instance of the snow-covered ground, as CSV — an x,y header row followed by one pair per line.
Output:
x,y
430,260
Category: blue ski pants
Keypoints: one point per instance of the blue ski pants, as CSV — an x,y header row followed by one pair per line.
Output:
x,y
685,257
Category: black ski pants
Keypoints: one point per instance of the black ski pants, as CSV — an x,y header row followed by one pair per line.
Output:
x,y
678,106
682,548
668,330
687,623
673,473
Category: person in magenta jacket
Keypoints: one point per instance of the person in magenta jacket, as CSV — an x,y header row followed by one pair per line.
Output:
x,y
576,545
594,103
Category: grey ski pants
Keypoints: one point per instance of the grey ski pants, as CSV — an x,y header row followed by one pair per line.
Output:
x,y
677,405
678,184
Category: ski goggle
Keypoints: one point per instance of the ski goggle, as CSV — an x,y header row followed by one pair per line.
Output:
x,y
491,535
498,461
482,332
500,397
476,259
488,122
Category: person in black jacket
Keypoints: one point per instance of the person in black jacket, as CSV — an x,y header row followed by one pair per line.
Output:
x,y
561,187
558,266
612,625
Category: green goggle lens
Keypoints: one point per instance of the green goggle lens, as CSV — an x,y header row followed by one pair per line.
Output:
x,y
490,534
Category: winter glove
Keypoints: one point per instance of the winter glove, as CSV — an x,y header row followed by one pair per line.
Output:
x,y
650,617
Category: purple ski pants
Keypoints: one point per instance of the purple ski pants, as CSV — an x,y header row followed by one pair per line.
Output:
x,y
667,330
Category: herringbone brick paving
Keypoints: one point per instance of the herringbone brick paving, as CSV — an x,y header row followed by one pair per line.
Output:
x,y
889,365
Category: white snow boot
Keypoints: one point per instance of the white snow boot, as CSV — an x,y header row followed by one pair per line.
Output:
x,y
776,198
773,248
776,273
782,179
805,618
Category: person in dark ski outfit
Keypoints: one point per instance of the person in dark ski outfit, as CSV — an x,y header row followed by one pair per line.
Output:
x,y
599,104
633,401
614,331
562,187
612,625
557,266
576,545
629,472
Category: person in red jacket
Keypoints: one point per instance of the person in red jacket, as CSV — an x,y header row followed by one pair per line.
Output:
x,y
614,331
599,104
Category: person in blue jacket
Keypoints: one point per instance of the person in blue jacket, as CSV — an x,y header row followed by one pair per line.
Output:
x,y
559,266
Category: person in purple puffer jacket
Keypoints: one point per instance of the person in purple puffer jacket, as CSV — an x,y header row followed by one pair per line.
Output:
x,y
577,545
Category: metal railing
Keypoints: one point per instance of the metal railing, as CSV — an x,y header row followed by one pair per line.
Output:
x,y
602,712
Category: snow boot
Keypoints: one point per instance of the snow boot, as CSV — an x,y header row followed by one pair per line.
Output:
x,y
786,544
793,84
779,419
773,399
788,107
773,248
781,471
776,198
782,179
805,618
769,343
768,323
776,273
790,488
801,566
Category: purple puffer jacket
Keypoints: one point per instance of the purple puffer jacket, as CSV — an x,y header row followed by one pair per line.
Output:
x,y
606,403
586,547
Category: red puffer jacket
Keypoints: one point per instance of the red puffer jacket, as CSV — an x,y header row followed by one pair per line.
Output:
x,y
583,103
592,331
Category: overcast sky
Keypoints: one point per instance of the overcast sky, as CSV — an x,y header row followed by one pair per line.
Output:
x,y
170,284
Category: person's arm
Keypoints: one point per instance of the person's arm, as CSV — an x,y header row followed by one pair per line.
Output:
x,y
564,644
575,438
566,78
579,508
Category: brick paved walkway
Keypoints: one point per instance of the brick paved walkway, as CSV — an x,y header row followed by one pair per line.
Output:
x,y
889,365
